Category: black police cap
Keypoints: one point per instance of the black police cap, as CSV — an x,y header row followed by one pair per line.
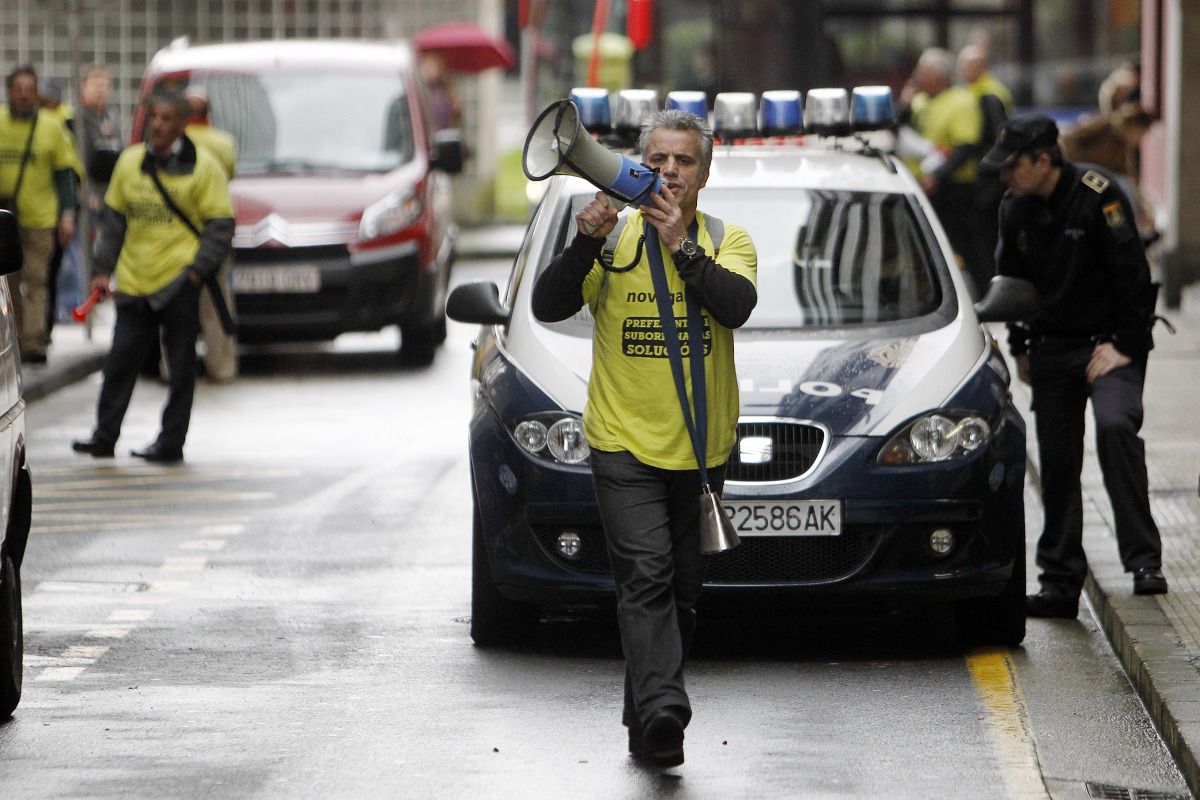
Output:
x,y
1020,135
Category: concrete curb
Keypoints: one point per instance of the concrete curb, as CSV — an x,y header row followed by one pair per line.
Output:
x,y
1149,648
39,382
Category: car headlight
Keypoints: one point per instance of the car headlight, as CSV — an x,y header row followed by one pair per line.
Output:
x,y
554,437
393,213
940,436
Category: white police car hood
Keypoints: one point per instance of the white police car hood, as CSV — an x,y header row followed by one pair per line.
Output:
x,y
855,384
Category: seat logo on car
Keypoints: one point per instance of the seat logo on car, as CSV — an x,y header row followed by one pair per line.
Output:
x,y
755,450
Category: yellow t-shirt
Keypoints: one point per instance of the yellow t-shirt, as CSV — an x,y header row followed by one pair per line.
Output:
x,y
218,142
158,246
950,119
632,403
52,149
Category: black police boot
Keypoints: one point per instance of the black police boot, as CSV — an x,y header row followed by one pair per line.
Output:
x,y
1149,580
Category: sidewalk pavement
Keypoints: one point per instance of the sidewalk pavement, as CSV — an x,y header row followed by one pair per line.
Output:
x,y
1156,638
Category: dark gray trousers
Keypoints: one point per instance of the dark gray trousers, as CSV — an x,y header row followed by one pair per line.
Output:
x,y
136,331
1060,395
651,520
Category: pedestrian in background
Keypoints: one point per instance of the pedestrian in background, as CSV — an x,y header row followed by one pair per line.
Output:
x,y
948,118
38,175
220,346
1070,231
100,136
644,459
168,225
51,102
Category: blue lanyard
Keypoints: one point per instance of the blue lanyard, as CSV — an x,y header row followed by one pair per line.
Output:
x,y
697,427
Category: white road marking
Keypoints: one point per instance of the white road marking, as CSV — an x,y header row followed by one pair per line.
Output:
x,y
130,615
183,563
210,545
107,632
228,529
59,673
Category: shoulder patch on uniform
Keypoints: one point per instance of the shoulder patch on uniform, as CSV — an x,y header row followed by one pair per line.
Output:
x,y
1114,215
1095,181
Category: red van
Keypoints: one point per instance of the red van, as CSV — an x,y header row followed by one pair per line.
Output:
x,y
342,196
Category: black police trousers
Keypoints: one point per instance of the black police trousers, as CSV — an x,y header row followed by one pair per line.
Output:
x,y
1060,395
136,331
651,520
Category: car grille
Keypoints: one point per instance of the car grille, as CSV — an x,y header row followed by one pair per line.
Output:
x,y
792,559
795,448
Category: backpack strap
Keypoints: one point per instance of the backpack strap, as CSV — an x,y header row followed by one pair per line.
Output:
x,y
716,232
610,242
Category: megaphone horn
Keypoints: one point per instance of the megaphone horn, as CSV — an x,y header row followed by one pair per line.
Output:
x,y
558,144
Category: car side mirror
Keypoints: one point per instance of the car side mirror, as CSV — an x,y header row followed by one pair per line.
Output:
x,y
447,152
1008,299
10,243
477,303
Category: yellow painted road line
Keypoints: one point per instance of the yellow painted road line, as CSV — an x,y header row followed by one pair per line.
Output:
x,y
995,679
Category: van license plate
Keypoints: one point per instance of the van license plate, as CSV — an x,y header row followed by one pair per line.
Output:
x,y
785,517
303,279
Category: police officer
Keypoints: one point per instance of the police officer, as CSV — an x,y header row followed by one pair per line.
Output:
x,y
1070,230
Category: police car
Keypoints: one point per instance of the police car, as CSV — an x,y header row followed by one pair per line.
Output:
x,y
878,454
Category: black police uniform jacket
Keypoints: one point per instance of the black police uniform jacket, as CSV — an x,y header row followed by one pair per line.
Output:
x,y
1081,248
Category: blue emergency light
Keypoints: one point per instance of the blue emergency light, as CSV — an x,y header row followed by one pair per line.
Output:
x,y
594,112
871,108
782,113
691,102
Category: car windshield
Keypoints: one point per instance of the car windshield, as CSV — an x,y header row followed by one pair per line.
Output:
x,y
300,122
825,257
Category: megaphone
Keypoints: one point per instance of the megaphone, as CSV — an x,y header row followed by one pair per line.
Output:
x,y
558,144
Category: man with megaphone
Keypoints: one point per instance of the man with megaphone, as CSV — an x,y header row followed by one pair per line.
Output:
x,y
662,404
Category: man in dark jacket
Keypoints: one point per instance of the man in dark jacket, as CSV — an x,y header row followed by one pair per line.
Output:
x,y
1071,231
160,252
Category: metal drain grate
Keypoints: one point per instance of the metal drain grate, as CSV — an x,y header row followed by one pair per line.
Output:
x,y
1106,791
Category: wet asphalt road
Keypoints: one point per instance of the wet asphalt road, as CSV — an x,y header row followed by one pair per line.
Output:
x,y
284,617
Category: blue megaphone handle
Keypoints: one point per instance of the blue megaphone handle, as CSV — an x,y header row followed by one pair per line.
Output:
x,y
634,183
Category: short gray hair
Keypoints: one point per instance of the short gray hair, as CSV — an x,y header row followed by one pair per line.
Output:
x,y
674,119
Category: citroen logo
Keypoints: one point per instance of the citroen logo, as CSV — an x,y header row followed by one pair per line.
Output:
x,y
755,450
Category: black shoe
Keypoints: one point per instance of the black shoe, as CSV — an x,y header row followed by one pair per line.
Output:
x,y
1149,580
157,454
662,739
94,448
1052,605
33,358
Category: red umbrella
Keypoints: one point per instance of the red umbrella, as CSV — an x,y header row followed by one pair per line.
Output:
x,y
465,47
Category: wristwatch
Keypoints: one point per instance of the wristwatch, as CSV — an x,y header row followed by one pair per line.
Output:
x,y
686,251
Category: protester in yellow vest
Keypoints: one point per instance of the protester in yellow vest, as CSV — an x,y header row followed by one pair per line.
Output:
x,y
948,118
646,472
38,174
160,252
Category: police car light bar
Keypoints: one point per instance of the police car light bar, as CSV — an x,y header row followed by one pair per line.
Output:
x,y
832,112
594,112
